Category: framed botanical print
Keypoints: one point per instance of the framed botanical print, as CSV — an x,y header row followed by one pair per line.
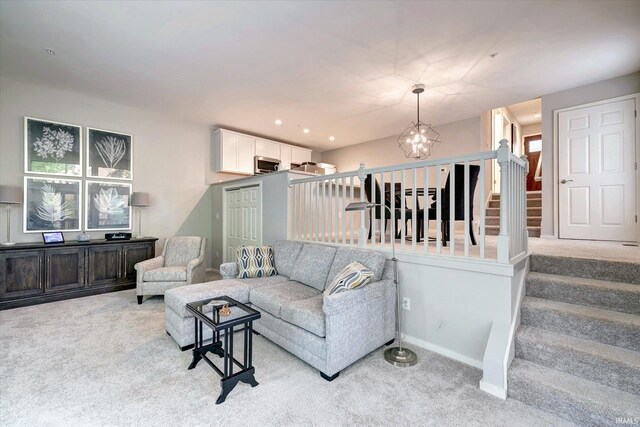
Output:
x,y
52,148
107,206
109,154
51,204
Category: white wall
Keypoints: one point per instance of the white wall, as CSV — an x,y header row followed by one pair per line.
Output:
x,y
533,129
620,86
461,137
170,155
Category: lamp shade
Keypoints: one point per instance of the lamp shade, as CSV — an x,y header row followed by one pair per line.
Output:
x,y
140,199
10,195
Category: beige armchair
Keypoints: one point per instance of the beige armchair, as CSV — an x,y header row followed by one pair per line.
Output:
x,y
182,263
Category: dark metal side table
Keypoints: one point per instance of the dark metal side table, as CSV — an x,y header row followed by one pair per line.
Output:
x,y
222,327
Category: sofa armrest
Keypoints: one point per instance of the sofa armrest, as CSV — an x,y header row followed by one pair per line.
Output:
x,y
347,300
196,271
229,270
149,264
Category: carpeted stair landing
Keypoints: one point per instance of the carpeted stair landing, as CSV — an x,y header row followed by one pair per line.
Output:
x,y
577,351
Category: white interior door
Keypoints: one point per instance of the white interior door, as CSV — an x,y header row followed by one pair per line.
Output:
x,y
596,172
243,222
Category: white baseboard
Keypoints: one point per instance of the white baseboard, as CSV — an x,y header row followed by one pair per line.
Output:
x,y
493,389
444,351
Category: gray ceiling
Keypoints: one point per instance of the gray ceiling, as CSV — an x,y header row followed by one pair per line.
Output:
x,y
338,68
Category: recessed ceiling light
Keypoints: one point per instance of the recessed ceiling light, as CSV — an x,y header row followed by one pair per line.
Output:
x,y
493,55
50,51
537,115
305,130
278,122
332,138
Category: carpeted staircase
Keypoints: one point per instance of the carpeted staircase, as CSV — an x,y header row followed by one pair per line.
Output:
x,y
577,351
534,214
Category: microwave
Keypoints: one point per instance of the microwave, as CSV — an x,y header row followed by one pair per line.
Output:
x,y
265,165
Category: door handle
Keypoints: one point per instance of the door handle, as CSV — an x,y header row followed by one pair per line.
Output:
x,y
564,181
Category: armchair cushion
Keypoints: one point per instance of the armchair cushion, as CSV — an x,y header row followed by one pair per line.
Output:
x,y
255,261
352,276
313,264
166,274
181,249
272,298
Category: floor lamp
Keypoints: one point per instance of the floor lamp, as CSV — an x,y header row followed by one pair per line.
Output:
x,y
398,356
9,195
139,200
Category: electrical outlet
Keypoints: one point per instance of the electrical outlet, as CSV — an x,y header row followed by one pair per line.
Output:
x,y
406,304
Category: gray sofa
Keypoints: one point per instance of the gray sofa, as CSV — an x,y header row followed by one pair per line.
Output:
x,y
329,333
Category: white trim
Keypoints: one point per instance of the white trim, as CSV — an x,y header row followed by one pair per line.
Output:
x,y
231,187
87,129
443,351
493,389
25,207
87,201
26,150
555,170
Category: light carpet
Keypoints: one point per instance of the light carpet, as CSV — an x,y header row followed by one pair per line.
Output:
x,y
104,360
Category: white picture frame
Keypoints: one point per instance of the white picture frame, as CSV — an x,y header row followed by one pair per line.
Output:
x,y
107,205
109,154
52,148
52,204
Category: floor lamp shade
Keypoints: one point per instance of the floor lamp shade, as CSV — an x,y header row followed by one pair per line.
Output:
x,y
140,199
10,195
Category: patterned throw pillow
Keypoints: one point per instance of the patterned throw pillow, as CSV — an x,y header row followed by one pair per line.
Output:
x,y
352,276
255,261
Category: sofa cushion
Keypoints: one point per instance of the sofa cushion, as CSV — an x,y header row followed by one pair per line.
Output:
x,y
285,255
176,273
313,264
178,298
374,261
306,314
256,282
180,250
272,298
255,261
352,276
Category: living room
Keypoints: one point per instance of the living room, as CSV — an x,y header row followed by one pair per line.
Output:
x,y
334,79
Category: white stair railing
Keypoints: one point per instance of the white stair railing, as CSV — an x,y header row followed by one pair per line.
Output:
x,y
415,194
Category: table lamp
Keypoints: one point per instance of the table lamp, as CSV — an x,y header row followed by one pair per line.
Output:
x,y
9,195
398,356
139,200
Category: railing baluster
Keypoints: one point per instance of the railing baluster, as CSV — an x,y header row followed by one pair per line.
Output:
x,y
439,235
452,209
415,231
342,211
372,212
483,208
467,229
403,208
330,211
317,205
383,211
425,209
352,219
362,231
296,206
323,210
392,196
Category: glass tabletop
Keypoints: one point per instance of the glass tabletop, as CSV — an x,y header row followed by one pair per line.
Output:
x,y
212,311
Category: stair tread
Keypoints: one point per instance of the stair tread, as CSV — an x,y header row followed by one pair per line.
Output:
x,y
595,349
616,271
583,281
588,394
583,311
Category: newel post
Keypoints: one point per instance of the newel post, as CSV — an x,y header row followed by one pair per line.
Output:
x,y
525,231
504,238
362,231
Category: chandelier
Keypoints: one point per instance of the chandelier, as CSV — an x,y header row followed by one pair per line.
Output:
x,y
418,138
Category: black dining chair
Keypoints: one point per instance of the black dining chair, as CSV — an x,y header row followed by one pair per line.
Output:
x,y
381,213
445,202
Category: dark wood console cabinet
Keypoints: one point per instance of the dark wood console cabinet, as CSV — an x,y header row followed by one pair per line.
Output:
x,y
33,273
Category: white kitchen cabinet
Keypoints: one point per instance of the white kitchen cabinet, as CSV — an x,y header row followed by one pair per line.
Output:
x,y
285,156
300,155
267,148
234,152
